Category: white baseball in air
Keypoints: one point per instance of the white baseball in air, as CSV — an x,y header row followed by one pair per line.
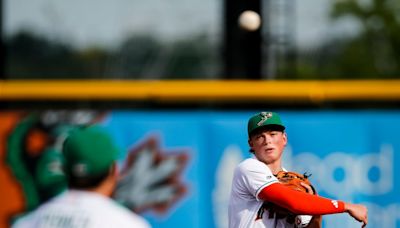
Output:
x,y
249,20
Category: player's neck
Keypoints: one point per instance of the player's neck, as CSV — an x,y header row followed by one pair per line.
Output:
x,y
106,187
275,167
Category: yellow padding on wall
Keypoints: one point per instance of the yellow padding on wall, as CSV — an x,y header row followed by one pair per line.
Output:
x,y
193,90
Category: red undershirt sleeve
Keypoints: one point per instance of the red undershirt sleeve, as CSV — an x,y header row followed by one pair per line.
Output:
x,y
299,202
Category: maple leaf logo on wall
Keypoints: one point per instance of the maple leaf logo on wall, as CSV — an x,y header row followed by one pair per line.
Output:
x,y
150,178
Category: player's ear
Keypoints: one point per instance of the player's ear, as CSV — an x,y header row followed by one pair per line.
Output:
x,y
113,169
285,139
250,143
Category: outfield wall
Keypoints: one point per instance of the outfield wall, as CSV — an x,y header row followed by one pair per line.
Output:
x,y
352,155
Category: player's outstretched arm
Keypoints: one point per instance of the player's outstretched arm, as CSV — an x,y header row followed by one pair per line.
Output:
x,y
358,212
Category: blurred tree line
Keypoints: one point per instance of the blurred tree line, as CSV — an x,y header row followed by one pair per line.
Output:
x,y
373,53
29,56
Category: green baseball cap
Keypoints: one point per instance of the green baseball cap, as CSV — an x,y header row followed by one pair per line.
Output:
x,y
89,151
264,119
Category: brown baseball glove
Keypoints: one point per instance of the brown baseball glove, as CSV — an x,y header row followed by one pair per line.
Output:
x,y
293,180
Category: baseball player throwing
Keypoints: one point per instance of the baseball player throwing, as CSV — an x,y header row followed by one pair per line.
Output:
x,y
254,185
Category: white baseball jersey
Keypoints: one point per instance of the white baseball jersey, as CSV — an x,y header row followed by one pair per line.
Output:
x,y
250,177
80,209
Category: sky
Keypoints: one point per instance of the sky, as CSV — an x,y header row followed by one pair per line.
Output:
x,y
107,22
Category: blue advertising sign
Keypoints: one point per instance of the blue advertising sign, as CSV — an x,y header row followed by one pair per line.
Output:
x,y
191,155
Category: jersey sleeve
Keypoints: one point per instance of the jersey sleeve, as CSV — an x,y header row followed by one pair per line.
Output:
x,y
255,176
299,202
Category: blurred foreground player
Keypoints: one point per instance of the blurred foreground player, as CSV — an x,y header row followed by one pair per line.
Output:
x,y
90,165
255,186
